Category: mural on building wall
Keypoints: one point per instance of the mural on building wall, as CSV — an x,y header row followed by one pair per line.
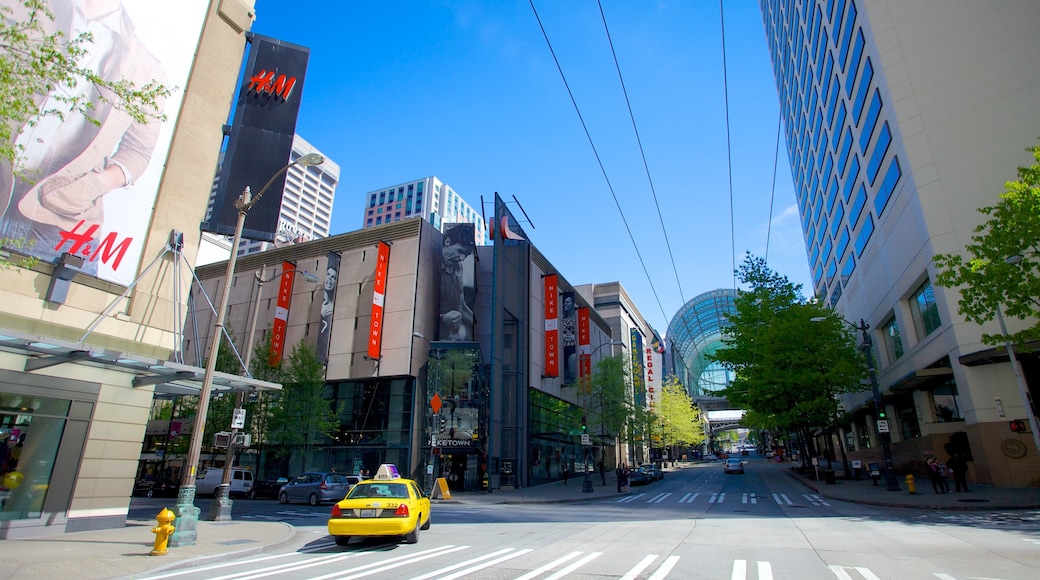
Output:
x,y
458,283
328,305
88,189
570,339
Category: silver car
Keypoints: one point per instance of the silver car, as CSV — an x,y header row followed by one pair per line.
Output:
x,y
315,487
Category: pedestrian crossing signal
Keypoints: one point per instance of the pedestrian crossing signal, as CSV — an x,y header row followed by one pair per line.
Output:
x,y
1018,426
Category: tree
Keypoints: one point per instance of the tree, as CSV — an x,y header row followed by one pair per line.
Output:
x,y
789,370
302,415
682,421
610,405
987,279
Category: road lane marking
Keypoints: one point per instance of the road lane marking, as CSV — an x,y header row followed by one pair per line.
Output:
x,y
631,498
550,566
665,568
815,499
841,574
471,569
688,498
765,571
592,556
746,497
642,565
739,570
659,498
782,499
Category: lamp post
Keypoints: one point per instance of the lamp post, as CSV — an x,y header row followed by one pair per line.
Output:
x,y
586,484
220,509
187,513
891,484
1020,380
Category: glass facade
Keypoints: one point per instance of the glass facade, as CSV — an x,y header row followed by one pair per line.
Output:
x,y
31,428
832,51
695,332
925,311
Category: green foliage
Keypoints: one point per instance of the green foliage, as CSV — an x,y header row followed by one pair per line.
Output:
x,y
789,370
987,280
301,415
682,421
18,245
36,63
609,406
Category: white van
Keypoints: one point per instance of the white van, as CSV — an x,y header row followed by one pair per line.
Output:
x,y
241,481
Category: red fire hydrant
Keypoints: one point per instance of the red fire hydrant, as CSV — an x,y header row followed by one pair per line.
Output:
x,y
163,531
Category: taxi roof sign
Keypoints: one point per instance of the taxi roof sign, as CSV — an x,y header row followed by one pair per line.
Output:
x,y
387,471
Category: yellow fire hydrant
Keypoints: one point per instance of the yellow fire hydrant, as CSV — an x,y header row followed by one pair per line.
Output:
x,y
163,531
910,483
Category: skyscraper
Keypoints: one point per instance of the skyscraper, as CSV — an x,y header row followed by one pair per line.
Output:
x,y
902,119
307,199
428,197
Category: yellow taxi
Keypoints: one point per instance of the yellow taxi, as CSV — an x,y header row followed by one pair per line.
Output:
x,y
386,505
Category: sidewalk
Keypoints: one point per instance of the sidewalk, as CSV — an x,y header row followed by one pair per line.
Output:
x,y
123,552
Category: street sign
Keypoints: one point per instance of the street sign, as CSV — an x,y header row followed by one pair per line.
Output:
x,y
882,425
435,403
238,419
586,439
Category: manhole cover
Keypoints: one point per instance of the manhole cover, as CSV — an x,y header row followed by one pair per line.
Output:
x,y
973,500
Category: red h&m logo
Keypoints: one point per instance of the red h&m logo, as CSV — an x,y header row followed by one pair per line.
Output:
x,y
110,248
267,84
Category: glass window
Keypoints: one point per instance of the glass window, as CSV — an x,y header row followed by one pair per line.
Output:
x,y
857,55
30,433
945,399
850,182
836,19
843,243
893,341
888,185
838,215
864,234
857,206
840,118
847,34
868,126
861,93
925,311
847,271
884,140
846,148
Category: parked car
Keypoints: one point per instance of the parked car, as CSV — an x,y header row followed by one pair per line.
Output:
x,y
733,465
267,489
710,457
639,476
241,481
654,470
156,487
315,487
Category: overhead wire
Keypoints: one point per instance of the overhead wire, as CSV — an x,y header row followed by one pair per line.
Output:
x,y
772,193
595,152
729,154
642,153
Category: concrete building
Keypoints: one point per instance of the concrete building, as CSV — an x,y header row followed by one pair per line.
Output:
x,y
430,198
505,418
87,338
902,119
306,212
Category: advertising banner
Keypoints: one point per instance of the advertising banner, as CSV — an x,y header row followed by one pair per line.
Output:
x,y
87,186
552,332
281,313
375,329
570,339
653,378
585,350
458,283
261,138
636,348
328,305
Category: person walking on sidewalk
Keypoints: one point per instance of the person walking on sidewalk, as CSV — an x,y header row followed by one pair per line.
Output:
x,y
939,484
959,466
565,471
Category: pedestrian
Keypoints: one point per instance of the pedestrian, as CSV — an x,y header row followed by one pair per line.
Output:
x,y
602,472
565,472
935,476
958,464
620,473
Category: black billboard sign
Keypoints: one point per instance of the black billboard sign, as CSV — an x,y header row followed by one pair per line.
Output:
x,y
261,137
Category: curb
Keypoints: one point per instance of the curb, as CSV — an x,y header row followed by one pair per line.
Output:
x,y
193,561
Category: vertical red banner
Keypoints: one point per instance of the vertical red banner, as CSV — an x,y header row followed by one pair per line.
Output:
x,y
375,329
584,351
281,314
552,330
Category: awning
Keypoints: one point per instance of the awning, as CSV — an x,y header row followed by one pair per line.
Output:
x,y
921,379
170,378
997,354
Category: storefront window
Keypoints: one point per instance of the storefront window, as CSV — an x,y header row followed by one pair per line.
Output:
x,y
30,433
944,398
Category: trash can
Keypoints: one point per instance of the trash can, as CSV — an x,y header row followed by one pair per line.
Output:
x,y
828,476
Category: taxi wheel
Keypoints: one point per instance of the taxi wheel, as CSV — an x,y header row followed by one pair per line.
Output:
x,y
426,526
342,540
413,536
313,499
283,497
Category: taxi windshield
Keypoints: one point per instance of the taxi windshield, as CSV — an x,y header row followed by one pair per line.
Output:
x,y
379,489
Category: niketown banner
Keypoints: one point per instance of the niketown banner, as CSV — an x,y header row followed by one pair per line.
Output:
x,y
552,331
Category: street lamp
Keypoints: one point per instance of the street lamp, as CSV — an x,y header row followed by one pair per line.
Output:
x,y
220,509
586,485
187,513
891,484
1023,390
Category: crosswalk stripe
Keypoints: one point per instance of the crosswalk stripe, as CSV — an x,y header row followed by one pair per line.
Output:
x,y
688,498
815,499
659,498
575,566
549,566
476,563
739,570
745,498
765,571
634,572
665,568
712,499
782,499
841,574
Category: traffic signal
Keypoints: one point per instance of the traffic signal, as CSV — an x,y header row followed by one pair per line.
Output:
x,y
444,424
1018,426
882,414
584,427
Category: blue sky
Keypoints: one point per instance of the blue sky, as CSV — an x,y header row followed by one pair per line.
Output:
x,y
468,90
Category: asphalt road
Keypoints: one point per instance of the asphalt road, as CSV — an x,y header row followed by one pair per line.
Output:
x,y
696,523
